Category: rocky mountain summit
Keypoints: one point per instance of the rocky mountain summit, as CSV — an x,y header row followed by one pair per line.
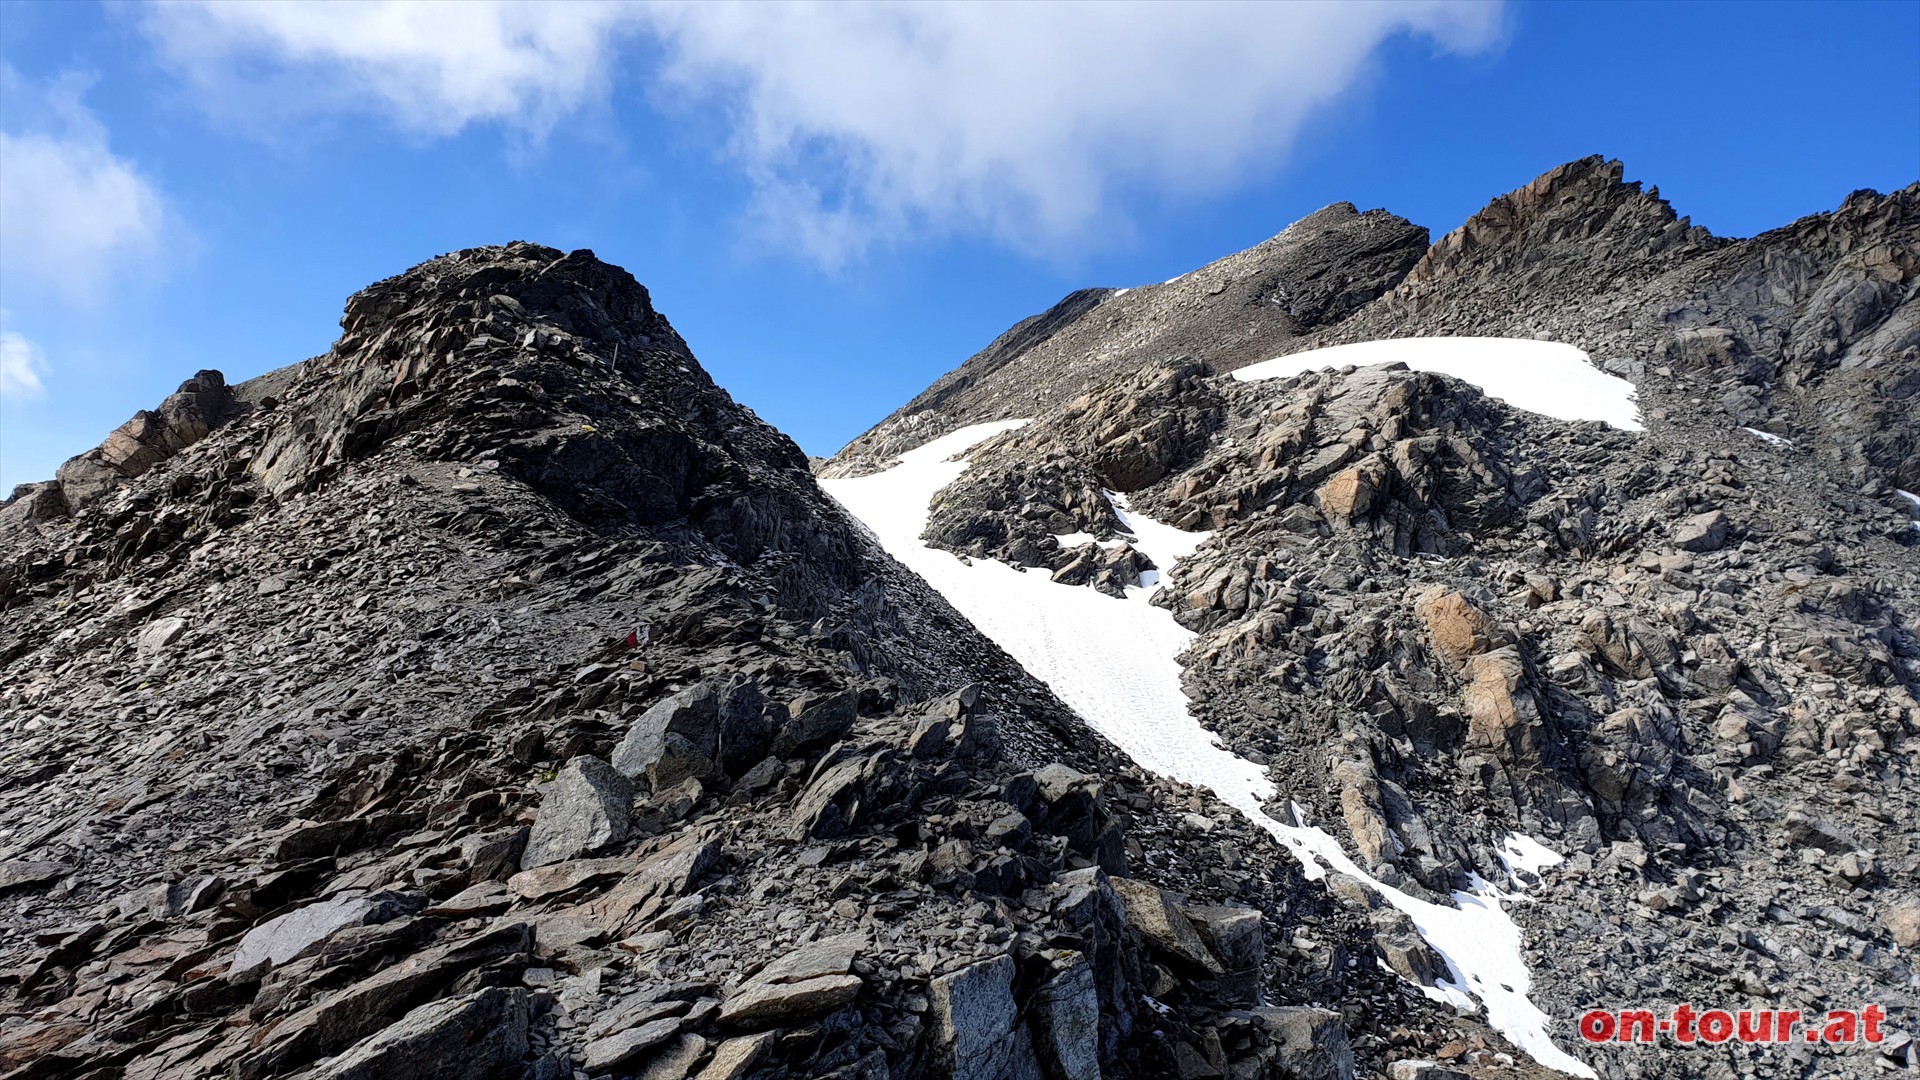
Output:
x,y
492,696
1685,658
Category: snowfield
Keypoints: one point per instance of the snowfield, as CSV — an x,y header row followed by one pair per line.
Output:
x,y
1539,376
1113,661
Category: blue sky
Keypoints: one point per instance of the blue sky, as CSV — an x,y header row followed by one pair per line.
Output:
x,y
834,205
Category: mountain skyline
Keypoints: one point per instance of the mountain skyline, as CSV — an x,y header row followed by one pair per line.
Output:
x,y
154,225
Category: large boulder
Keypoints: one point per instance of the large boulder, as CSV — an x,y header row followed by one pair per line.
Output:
x,y
805,983
1503,715
815,723
1702,533
1074,809
479,1034
975,1024
714,728
287,936
587,807
1154,913
1066,1016
1456,627
1309,1043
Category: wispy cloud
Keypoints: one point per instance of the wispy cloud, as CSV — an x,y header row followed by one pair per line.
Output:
x,y
73,215
21,364
856,123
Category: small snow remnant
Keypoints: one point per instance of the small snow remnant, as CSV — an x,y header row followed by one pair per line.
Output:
x,y
1113,661
1770,438
1539,376
1522,854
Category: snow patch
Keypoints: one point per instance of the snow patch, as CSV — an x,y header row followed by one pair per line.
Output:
x,y
1544,377
1113,662
1769,438
1914,499
1522,854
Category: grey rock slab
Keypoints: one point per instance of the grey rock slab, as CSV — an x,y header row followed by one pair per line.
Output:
x,y
20,874
762,1004
479,1034
343,1018
830,804
1067,1022
588,806
1702,533
829,956
184,897
284,937
159,634
819,725
1422,1069
1312,1043
676,1061
1160,921
1235,935
606,1054
544,881
679,736
974,1022
809,981
493,854
733,1058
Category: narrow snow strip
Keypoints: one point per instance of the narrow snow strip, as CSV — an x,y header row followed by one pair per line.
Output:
x,y
1113,662
1769,437
1539,376
1914,499
1076,539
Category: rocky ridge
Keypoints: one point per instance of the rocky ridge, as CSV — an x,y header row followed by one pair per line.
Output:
x,y
1315,273
494,696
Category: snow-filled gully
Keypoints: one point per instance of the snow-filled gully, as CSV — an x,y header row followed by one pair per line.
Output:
x,y
1113,661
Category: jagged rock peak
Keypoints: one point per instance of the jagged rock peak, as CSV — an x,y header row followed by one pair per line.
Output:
x,y
1576,204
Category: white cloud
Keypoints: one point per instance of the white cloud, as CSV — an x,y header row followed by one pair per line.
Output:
x,y
1022,120
73,215
858,122
431,68
21,363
